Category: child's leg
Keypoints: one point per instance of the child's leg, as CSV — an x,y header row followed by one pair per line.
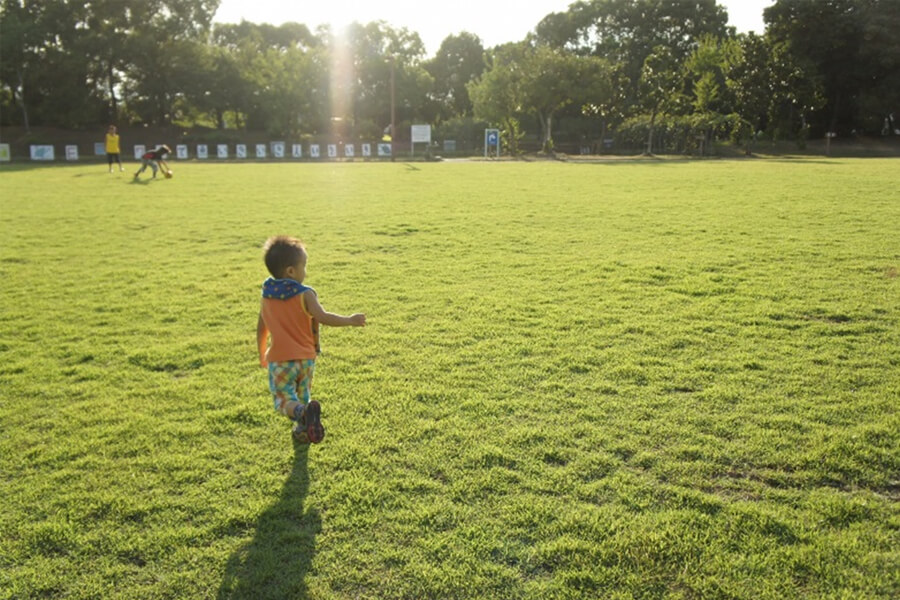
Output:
x,y
310,424
154,167
290,383
283,385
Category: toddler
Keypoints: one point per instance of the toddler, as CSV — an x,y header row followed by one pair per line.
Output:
x,y
287,335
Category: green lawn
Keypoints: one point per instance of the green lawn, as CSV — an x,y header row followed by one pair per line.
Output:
x,y
623,380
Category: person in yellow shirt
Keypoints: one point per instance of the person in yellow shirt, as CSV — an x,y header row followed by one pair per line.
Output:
x,y
112,148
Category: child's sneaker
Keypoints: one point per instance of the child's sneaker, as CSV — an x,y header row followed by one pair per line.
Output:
x,y
312,420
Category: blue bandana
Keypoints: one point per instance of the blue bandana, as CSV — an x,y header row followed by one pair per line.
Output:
x,y
282,289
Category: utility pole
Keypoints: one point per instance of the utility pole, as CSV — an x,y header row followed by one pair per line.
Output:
x,y
393,111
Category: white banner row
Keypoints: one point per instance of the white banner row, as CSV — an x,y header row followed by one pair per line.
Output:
x,y
223,151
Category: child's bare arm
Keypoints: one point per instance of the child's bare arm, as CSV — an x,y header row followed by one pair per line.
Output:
x,y
326,318
262,338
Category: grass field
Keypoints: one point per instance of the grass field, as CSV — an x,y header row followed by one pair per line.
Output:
x,y
623,380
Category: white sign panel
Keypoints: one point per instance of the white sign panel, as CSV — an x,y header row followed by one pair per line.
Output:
x,y
240,150
349,150
367,149
5,154
99,149
139,150
181,152
278,149
71,152
42,153
314,151
222,150
296,150
332,150
421,133
202,151
260,151
384,149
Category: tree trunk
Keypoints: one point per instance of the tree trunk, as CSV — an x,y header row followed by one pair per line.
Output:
x,y
750,138
547,125
513,140
110,80
602,145
22,99
650,134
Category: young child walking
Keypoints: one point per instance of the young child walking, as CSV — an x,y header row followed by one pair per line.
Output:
x,y
289,318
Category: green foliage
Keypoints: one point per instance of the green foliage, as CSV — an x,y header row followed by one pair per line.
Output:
x,y
645,379
499,96
458,61
851,45
822,65
626,32
468,133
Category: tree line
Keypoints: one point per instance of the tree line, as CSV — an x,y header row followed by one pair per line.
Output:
x,y
649,73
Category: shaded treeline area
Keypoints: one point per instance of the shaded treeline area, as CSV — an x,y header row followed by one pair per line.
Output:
x,y
649,74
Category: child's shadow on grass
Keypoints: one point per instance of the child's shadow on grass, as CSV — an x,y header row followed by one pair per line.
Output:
x,y
275,562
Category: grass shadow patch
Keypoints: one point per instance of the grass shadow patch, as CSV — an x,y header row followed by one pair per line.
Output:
x,y
275,562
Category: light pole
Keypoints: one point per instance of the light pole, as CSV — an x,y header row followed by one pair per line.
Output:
x,y
393,111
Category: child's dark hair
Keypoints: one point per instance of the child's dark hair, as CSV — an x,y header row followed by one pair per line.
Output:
x,y
281,252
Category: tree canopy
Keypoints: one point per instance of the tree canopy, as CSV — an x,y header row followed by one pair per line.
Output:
x,y
648,71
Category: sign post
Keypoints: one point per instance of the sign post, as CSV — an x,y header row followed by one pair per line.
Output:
x,y
491,138
420,133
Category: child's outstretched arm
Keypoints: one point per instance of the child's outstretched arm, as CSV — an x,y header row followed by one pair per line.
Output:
x,y
262,340
326,318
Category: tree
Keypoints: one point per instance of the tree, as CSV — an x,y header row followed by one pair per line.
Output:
x,y
458,61
749,79
104,42
270,78
603,87
852,44
499,96
626,32
361,62
660,87
161,33
26,38
881,54
706,79
551,79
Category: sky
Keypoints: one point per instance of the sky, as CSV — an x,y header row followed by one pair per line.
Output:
x,y
494,21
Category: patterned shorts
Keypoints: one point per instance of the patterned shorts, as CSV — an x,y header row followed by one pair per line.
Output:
x,y
290,382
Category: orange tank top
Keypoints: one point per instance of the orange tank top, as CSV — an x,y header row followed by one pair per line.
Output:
x,y
292,331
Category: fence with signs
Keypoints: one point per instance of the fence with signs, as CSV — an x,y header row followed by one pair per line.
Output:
x,y
270,151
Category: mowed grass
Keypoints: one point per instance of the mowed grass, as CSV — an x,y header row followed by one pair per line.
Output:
x,y
624,380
